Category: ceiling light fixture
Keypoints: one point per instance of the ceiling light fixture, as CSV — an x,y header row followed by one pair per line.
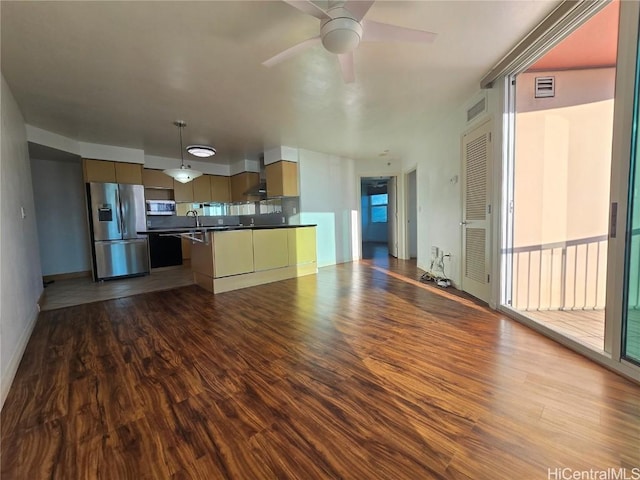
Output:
x,y
202,151
184,174
340,34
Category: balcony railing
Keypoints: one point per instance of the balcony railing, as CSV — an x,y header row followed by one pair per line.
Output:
x,y
567,275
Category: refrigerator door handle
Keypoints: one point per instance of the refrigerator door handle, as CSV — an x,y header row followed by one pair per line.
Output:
x,y
118,212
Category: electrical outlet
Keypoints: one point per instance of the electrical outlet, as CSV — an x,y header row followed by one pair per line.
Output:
x,y
435,252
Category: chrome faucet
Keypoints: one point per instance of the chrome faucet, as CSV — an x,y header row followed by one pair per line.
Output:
x,y
195,215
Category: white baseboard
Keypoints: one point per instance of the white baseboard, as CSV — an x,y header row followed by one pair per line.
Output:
x,y
9,371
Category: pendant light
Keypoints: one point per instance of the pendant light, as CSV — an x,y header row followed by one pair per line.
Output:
x,y
184,174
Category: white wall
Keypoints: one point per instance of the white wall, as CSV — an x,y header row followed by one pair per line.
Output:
x,y
329,199
61,216
20,274
437,156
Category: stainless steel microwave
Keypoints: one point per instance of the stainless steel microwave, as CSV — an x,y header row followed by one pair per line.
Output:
x,y
161,207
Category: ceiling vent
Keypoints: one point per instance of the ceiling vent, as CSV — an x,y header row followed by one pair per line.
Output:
x,y
545,87
478,109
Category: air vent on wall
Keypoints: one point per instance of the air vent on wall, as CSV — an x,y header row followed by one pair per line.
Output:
x,y
545,87
479,108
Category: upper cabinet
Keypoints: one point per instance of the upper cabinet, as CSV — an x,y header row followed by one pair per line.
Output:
x,y
156,179
220,188
104,171
128,173
282,179
202,189
98,171
242,182
183,192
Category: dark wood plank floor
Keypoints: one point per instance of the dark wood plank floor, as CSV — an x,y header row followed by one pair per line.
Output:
x,y
356,373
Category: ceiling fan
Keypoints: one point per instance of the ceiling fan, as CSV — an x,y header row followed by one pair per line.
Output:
x,y
342,28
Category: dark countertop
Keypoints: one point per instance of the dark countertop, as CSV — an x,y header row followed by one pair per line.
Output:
x,y
220,228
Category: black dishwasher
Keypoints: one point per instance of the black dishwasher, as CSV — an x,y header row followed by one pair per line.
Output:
x,y
165,251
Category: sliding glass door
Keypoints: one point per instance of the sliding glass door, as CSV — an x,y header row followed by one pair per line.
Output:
x,y
631,314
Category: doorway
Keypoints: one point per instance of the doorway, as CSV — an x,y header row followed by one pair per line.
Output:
x,y
558,185
378,207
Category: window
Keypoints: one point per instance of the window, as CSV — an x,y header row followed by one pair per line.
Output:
x,y
378,207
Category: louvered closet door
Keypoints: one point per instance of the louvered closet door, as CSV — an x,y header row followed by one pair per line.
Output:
x,y
476,212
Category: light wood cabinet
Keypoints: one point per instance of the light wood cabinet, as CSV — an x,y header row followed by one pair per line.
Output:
x,y
183,192
270,249
202,189
282,179
233,252
302,245
242,182
244,258
101,171
104,171
156,179
128,173
186,249
220,188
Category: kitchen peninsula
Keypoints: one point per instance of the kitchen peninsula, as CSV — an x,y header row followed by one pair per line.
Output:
x,y
225,258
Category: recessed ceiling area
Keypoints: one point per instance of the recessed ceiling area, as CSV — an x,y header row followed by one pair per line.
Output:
x,y
120,73
43,152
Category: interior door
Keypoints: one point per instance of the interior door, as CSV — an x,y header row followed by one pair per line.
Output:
x,y
476,212
392,217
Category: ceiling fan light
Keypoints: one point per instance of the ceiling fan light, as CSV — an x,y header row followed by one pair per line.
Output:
x,y
182,174
202,151
341,35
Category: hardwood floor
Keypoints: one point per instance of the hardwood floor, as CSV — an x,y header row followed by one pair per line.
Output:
x,y
360,372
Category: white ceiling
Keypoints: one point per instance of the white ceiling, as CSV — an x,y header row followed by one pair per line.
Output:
x,y
120,73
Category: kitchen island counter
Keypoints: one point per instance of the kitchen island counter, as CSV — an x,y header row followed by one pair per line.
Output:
x,y
230,257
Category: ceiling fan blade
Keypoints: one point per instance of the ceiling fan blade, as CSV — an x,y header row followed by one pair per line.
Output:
x,y
347,67
358,8
383,32
309,8
291,52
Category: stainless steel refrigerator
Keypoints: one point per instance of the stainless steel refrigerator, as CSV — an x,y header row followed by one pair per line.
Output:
x,y
117,213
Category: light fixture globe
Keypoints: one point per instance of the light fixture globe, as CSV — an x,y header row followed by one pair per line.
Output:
x,y
202,151
341,35
184,174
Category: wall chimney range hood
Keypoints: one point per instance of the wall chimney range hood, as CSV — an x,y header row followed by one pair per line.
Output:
x,y
259,190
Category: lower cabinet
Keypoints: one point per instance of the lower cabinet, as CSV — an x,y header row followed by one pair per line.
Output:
x,y
236,259
232,252
270,249
301,245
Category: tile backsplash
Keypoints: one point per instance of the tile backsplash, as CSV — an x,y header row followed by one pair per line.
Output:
x,y
276,211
